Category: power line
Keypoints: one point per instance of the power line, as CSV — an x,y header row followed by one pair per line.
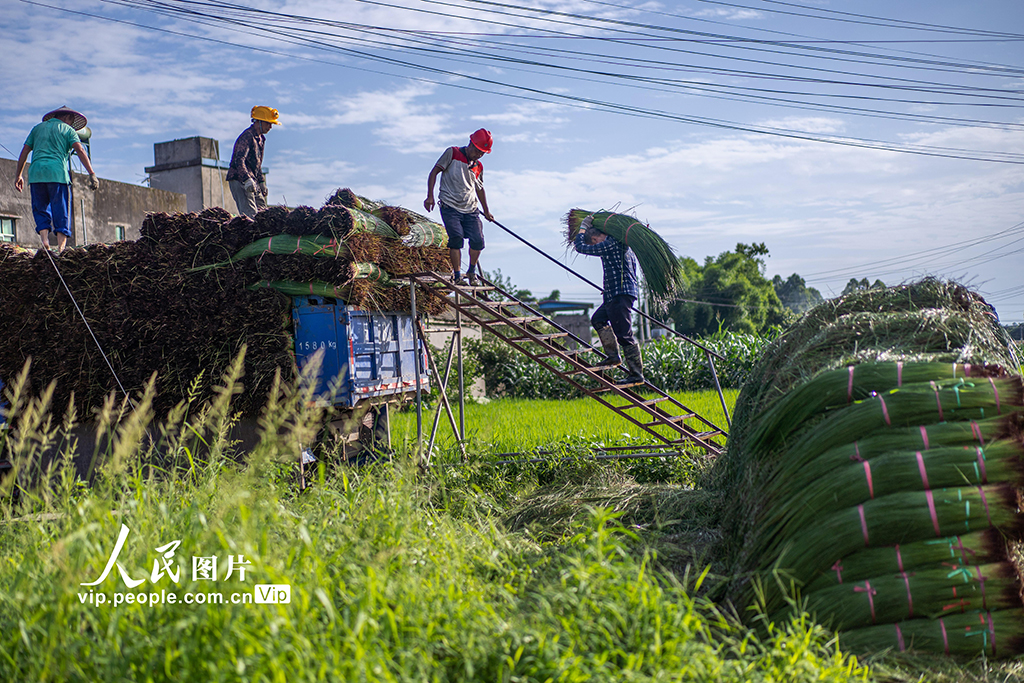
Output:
x,y
538,94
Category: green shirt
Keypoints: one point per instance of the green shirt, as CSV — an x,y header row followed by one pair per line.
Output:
x,y
51,142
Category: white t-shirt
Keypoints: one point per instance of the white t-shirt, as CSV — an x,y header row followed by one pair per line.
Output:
x,y
459,180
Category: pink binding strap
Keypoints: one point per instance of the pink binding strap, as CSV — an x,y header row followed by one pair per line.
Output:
x,y
976,432
867,473
899,373
981,466
924,436
931,509
838,569
992,632
899,638
863,524
984,501
849,386
945,638
981,584
899,558
866,588
996,392
885,411
910,599
938,401
920,468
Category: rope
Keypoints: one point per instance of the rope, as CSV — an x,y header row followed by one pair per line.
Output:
x,y
87,326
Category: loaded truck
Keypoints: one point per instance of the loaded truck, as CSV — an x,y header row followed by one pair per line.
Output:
x,y
367,363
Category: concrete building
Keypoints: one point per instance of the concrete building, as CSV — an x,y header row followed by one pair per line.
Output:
x,y
114,212
192,166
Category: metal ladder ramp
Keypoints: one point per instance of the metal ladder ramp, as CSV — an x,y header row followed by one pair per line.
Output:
x,y
660,415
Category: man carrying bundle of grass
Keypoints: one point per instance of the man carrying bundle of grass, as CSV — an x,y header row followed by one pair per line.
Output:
x,y
461,197
613,320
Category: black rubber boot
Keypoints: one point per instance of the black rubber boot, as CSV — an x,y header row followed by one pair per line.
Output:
x,y
634,364
610,345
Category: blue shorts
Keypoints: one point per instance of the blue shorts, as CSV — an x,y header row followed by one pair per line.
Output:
x,y
50,206
461,227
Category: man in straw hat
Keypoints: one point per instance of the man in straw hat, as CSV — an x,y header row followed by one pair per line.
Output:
x,y
613,320
245,174
462,197
51,143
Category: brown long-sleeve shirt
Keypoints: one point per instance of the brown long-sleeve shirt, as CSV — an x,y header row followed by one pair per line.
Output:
x,y
247,156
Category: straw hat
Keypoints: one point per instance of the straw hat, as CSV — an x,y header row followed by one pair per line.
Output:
x,y
77,124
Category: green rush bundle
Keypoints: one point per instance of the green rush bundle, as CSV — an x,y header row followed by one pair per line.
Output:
x,y
993,634
424,232
913,404
796,472
838,388
660,266
292,288
931,591
802,503
309,245
978,547
371,272
897,518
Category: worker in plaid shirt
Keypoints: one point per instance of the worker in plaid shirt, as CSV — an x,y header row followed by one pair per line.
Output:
x,y
613,319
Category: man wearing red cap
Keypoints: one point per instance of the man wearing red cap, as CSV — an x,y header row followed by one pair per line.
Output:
x,y
51,143
462,197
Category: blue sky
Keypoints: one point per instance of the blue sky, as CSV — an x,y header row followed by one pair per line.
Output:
x,y
552,79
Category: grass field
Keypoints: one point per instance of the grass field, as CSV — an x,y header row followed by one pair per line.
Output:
x,y
519,425
395,574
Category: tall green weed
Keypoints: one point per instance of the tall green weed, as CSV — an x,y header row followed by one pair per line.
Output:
x,y
388,583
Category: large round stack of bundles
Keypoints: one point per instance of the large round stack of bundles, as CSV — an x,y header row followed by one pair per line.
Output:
x,y
874,471
186,297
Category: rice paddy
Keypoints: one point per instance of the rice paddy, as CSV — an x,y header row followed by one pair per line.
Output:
x,y
521,425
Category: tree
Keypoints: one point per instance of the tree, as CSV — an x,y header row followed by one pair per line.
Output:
x,y
795,294
855,285
505,282
729,292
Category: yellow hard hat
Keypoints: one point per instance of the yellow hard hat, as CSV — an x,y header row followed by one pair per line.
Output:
x,y
268,114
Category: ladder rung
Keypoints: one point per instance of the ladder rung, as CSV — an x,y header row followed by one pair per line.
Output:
x,y
527,319
490,305
540,337
652,401
670,419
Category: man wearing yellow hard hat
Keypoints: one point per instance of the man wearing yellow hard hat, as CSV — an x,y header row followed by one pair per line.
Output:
x,y
245,175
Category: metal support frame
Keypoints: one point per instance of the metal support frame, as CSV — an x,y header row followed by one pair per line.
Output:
x,y
443,402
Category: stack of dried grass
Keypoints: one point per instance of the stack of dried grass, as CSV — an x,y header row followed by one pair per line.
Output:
x,y
873,470
196,288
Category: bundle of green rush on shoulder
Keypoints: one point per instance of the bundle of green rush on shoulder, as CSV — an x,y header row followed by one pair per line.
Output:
x,y
661,268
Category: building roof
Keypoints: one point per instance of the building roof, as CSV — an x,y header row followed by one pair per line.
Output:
x,y
552,306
